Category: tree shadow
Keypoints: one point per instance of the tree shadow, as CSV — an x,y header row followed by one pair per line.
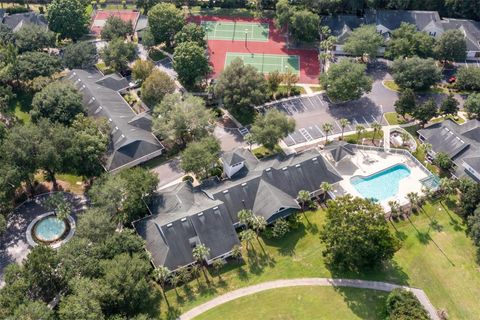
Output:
x,y
242,274
286,245
365,303
257,262
173,313
389,271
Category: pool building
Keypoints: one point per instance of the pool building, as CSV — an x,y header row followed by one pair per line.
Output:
x,y
183,216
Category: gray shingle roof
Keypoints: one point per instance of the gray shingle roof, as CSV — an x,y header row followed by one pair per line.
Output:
x,y
470,28
18,20
460,142
232,157
392,19
342,25
131,140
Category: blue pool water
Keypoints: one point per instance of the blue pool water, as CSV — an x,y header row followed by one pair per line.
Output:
x,y
49,229
381,185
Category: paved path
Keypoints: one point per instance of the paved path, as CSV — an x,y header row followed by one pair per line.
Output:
x,y
374,285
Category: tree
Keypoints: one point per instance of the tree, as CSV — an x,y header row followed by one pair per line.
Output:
x,y
191,32
258,224
472,105
36,64
469,197
6,35
59,205
468,79
68,18
377,127
415,73
182,118
449,105
290,79
280,228
156,86
402,304
250,140
81,55
191,63
364,41
95,224
32,37
241,86
125,194
343,124
237,252
426,111
451,46
303,25
85,301
33,310
268,128
162,274
327,128
325,187
406,41
247,236
406,102
90,142
6,95
443,160
141,69
118,53
59,102
245,217
356,235
201,253
304,198
199,156
274,79
346,81
3,224
474,226
165,20
394,208
414,200
116,28
218,265
359,129
125,277
283,13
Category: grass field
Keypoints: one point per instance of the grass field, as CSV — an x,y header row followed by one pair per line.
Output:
x,y
236,31
266,63
436,255
303,303
21,105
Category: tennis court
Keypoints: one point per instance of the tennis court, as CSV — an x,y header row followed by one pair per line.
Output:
x,y
267,63
236,31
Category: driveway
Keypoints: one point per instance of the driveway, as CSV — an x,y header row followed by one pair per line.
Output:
x,y
168,172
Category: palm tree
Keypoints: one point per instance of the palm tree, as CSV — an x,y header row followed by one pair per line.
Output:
x,y
237,252
303,199
343,124
427,147
325,187
328,128
249,140
162,274
447,186
245,217
405,138
258,224
247,236
360,130
414,199
184,274
376,128
195,268
394,208
174,281
201,253
217,265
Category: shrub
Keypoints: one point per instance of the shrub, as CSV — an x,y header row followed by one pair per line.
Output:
x,y
188,178
403,305
14,10
280,228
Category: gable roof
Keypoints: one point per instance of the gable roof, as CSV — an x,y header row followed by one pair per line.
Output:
x,y
18,20
131,139
392,19
470,28
342,25
460,142
232,157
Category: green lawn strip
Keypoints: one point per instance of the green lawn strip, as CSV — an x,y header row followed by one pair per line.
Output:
x,y
304,303
316,89
104,69
21,105
458,120
156,55
353,138
262,152
448,273
394,118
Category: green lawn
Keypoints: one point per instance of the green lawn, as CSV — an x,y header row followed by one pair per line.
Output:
x,y
156,55
394,118
355,139
21,106
436,256
304,303
262,152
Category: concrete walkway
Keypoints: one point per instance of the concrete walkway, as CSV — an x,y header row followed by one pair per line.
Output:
x,y
374,285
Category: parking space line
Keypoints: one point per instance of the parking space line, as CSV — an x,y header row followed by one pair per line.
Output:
x,y
339,126
304,106
366,122
323,134
374,119
305,134
294,141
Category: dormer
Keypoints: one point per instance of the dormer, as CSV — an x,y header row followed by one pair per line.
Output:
x,y
232,163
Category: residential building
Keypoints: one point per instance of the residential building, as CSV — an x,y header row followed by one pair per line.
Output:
x,y
18,20
460,142
386,21
184,216
132,141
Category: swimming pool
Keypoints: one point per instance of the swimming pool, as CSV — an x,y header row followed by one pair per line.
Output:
x,y
381,185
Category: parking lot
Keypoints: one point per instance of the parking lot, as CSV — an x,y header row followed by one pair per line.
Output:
x,y
312,111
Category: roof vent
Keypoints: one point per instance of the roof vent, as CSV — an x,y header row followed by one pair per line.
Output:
x,y
169,225
200,214
244,184
297,165
284,168
225,191
314,159
215,208
109,119
268,169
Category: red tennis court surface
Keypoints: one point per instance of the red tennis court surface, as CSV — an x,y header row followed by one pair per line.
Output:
x,y
276,44
101,17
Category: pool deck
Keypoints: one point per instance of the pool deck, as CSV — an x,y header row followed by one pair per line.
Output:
x,y
368,162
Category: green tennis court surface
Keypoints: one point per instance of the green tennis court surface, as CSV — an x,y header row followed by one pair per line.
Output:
x,y
236,31
267,63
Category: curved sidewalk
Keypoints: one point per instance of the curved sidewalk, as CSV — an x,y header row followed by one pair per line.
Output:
x,y
374,285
